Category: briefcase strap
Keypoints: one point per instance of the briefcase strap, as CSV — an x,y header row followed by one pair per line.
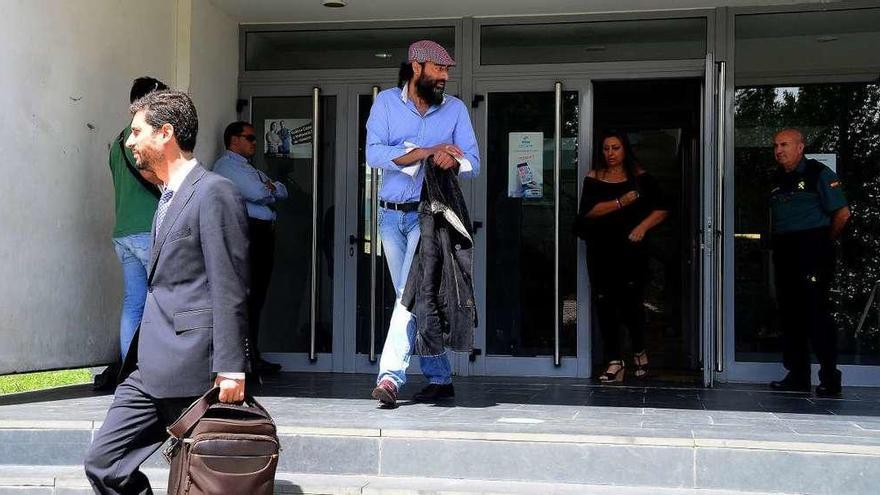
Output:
x,y
194,413
183,424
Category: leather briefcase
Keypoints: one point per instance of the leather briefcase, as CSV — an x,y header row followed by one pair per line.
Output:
x,y
219,448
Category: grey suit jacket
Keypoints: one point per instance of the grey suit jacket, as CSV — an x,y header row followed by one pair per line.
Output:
x,y
195,316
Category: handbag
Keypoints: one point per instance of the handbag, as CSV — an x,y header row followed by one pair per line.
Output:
x,y
219,448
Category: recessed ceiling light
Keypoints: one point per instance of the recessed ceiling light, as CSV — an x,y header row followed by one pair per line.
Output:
x,y
383,55
334,3
827,39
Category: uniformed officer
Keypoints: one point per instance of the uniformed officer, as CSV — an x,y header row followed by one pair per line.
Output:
x,y
809,211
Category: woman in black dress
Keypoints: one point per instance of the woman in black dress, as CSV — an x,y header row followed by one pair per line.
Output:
x,y
620,204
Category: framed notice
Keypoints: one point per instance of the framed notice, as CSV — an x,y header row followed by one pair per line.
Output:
x,y
288,138
827,159
525,163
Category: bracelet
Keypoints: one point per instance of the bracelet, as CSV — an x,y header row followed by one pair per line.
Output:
x,y
619,206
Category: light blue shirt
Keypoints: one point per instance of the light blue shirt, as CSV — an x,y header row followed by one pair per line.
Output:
x,y
251,183
395,127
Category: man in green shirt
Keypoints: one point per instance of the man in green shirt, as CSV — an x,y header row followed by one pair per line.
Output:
x,y
809,211
136,200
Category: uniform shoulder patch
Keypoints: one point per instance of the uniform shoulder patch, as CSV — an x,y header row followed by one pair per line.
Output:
x,y
834,183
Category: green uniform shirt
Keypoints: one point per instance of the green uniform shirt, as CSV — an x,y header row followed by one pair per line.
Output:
x,y
135,204
805,198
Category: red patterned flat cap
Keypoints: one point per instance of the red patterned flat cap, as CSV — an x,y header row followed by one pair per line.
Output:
x,y
429,51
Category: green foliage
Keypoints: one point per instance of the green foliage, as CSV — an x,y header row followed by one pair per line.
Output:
x,y
26,382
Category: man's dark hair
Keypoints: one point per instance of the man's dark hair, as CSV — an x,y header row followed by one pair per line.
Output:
x,y
234,129
170,107
406,73
143,86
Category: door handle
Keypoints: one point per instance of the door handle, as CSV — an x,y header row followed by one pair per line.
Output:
x,y
353,239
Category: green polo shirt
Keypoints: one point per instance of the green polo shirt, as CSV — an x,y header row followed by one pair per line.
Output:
x,y
135,204
805,198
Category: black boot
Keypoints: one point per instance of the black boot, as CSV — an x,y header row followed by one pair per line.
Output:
x,y
829,384
792,383
434,392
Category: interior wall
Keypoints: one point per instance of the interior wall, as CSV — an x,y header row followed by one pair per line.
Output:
x,y
65,74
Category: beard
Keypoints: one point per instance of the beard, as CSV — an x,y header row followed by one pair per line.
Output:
x,y
430,90
147,159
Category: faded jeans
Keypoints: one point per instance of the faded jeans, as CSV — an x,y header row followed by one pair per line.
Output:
x,y
133,251
400,237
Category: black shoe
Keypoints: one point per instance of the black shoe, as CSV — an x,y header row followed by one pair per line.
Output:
x,y
263,367
106,380
829,385
829,391
434,392
791,384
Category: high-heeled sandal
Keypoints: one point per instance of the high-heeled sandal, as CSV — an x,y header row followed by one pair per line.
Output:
x,y
641,361
613,376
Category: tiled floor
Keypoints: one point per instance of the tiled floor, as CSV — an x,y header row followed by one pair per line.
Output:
x,y
531,405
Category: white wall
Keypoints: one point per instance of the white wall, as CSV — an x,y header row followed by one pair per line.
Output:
x,y
213,75
65,75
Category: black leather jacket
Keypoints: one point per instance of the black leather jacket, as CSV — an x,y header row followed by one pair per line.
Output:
x,y
439,289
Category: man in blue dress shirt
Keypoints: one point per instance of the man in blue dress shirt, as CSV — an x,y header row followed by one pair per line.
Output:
x,y
259,192
407,125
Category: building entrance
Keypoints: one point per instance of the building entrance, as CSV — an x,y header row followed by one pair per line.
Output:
x,y
662,120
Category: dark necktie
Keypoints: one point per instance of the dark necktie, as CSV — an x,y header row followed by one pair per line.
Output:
x,y
162,208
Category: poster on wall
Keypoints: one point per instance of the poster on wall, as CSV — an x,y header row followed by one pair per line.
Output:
x,y
525,161
288,138
827,159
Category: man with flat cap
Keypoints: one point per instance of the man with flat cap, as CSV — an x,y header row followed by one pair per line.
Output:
x,y
408,125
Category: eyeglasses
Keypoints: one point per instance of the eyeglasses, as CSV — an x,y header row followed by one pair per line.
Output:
x,y
249,137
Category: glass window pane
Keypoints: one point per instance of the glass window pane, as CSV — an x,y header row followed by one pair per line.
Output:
x,y
831,43
654,39
843,121
337,49
520,311
285,324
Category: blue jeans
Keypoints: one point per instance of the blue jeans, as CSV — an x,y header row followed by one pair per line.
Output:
x,y
400,237
133,251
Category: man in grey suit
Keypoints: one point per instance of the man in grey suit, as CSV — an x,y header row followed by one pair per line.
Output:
x,y
195,317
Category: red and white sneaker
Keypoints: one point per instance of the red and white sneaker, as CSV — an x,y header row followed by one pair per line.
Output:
x,y
386,393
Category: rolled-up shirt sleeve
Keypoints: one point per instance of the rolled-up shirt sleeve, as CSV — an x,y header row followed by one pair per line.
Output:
x,y
380,154
463,137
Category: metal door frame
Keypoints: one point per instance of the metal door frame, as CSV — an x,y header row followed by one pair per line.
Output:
x,y
306,361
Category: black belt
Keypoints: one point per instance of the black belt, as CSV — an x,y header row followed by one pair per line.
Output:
x,y
404,207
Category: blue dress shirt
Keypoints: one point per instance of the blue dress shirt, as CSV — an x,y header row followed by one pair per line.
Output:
x,y
395,127
251,184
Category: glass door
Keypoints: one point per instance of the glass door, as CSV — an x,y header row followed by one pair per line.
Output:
x,y
528,256
298,146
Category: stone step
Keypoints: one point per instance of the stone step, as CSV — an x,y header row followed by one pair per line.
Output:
x,y
668,461
69,480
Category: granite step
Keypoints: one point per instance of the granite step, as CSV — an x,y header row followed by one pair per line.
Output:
x,y
69,480
659,459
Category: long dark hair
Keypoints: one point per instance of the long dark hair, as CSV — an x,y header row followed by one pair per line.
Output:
x,y
631,164
406,73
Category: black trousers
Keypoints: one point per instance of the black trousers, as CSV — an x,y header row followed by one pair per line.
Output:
x,y
262,259
617,280
133,429
804,267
